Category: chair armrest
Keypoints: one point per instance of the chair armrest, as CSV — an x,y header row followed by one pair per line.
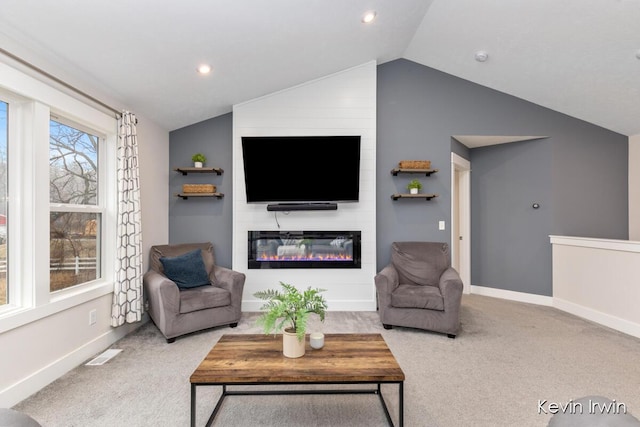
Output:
x,y
162,293
386,281
232,281
451,289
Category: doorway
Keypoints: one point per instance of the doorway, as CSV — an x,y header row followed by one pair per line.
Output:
x,y
461,219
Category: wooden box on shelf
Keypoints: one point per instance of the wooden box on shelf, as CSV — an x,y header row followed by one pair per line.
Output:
x,y
198,188
414,164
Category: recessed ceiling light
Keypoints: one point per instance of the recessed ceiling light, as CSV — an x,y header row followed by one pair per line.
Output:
x,y
369,16
204,69
481,56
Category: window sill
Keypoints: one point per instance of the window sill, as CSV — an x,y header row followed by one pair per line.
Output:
x,y
12,319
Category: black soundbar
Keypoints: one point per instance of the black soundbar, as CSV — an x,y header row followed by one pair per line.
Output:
x,y
302,207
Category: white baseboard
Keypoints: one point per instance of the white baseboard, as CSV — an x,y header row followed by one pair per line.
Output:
x,y
604,319
599,317
19,391
512,295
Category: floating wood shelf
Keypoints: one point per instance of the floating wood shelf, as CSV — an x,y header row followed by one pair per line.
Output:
x,y
185,196
427,172
185,171
413,196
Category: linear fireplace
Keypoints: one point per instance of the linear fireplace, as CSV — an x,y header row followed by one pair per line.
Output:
x,y
304,249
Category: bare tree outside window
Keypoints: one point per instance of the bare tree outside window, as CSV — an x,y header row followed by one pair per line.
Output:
x,y
75,217
4,181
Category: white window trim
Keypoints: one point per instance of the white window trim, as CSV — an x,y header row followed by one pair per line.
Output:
x,y
34,101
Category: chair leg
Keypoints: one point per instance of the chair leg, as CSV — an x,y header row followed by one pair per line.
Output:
x,y
233,325
452,336
171,340
384,325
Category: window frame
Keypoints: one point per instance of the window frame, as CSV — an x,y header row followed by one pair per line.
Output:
x,y
99,208
32,102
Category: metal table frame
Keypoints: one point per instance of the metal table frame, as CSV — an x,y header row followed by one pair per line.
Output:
x,y
226,392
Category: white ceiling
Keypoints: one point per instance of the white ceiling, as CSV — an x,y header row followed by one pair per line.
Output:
x,y
577,57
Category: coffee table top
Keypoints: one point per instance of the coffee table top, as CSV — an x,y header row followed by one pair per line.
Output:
x,y
258,359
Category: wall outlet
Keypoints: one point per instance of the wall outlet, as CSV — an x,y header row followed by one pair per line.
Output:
x,y
93,317
441,225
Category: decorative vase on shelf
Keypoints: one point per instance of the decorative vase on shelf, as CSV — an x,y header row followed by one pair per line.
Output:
x,y
198,160
291,346
413,190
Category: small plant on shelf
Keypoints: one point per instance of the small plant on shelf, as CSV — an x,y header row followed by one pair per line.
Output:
x,y
414,186
199,159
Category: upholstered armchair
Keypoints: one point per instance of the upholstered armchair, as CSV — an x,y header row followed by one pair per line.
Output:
x,y
419,288
187,292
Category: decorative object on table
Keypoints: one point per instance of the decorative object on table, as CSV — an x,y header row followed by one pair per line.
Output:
x,y
316,340
198,188
414,164
414,186
199,160
289,310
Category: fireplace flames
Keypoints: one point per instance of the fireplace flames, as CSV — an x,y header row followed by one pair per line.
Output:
x,y
312,257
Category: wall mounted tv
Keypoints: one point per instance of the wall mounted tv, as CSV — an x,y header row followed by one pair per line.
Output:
x,y
301,169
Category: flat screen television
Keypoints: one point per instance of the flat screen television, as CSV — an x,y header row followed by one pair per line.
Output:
x,y
301,169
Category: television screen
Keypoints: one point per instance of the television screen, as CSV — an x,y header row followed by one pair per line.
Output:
x,y
303,169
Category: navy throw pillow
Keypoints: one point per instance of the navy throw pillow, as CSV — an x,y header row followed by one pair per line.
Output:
x,y
187,270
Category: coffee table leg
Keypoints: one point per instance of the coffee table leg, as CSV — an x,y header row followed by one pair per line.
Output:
x,y
401,404
193,405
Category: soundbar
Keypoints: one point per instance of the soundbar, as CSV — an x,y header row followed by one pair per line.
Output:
x,y
302,207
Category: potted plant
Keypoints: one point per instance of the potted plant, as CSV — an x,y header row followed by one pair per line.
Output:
x,y
290,309
414,186
199,160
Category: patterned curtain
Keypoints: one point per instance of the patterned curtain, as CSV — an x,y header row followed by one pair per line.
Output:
x,y
127,293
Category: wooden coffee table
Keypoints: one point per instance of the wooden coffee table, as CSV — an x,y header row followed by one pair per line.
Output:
x,y
258,360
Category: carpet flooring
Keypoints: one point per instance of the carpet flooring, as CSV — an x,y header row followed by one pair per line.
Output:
x,y
507,359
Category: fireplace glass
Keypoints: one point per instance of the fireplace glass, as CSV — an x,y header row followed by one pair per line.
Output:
x,y
304,249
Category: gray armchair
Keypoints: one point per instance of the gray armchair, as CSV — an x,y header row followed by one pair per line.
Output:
x,y
419,288
180,310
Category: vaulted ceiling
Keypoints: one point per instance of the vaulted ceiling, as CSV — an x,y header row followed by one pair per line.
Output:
x,y
578,57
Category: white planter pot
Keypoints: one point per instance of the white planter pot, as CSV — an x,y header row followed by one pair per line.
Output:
x,y
413,190
291,346
197,164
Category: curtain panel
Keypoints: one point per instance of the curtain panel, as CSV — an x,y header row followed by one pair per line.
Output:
x,y
127,304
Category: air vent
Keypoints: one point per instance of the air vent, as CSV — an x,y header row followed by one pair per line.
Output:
x,y
104,357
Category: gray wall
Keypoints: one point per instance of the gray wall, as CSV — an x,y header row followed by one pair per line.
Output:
x,y
578,175
460,149
590,182
419,109
203,219
509,238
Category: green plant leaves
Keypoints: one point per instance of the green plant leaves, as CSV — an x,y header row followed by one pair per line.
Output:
x,y
290,308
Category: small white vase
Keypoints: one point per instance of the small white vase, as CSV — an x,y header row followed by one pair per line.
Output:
x,y
316,340
413,190
197,164
291,346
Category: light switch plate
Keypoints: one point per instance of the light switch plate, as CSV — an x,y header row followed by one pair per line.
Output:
x,y
440,225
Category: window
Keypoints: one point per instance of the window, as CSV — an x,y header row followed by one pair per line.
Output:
x,y
57,200
75,213
4,131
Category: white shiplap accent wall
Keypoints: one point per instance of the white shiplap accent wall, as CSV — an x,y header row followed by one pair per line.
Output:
x,y
339,104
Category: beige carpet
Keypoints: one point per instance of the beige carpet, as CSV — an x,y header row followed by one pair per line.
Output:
x,y
507,357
